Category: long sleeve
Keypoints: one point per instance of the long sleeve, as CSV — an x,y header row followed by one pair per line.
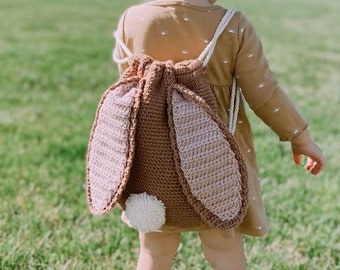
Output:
x,y
260,88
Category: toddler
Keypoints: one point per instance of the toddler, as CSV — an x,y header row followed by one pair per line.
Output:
x,y
178,30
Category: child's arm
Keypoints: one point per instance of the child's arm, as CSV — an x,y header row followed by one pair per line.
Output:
x,y
303,145
269,102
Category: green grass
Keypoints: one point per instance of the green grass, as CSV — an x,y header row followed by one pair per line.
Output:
x,y
55,59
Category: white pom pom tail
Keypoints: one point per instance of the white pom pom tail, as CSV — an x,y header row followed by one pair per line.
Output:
x,y
145,212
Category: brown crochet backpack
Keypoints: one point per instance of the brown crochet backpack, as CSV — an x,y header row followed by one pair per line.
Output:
x,y
159,149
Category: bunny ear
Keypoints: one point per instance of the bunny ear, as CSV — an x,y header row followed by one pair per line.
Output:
x,y
213,174
110,150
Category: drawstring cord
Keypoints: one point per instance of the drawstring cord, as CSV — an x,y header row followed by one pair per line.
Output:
x,y
204,57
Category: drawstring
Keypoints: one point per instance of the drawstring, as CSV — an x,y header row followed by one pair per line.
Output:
x,y
204,57
125,49
209,49
234,106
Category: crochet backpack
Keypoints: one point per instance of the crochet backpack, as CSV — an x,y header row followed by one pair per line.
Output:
x,y
159,149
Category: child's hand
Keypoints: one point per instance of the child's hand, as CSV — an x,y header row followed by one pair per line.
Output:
x,y
303,145
315,158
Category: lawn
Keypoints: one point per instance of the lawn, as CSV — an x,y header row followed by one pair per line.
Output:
x,y
55,62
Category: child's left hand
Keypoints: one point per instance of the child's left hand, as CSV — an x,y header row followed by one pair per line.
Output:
x,y
304,146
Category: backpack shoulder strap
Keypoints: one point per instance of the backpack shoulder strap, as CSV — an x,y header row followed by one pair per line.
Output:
x,y
208,51
205,55
124,48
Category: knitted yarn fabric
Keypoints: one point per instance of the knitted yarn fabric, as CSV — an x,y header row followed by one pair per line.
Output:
x,y
174,147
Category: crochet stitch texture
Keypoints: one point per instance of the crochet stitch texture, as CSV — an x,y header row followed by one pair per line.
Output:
x,y
176,148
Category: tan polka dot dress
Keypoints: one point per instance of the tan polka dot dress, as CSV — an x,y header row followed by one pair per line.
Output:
x,y
170,29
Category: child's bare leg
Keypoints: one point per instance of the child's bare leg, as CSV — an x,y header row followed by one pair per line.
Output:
x,y
157,250
223,253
